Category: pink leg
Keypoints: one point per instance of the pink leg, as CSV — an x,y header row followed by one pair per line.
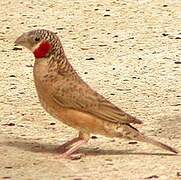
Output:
x,y
70,153
62,148
75,145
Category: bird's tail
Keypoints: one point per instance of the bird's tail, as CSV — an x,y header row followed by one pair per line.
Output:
x,y
136,135
156,143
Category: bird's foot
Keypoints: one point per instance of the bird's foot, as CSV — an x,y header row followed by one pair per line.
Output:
x,y
70,149
64,147
71,153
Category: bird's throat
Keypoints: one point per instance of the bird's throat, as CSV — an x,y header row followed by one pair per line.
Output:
x,y
42,50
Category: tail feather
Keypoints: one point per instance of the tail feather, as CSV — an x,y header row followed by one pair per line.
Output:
x,y
156,143
134,134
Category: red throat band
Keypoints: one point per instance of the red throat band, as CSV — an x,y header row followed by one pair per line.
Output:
x,y
42,50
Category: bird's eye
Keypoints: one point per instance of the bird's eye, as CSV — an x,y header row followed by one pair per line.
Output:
x,y
37,39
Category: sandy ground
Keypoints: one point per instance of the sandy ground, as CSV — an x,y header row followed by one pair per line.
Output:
x,y
136,51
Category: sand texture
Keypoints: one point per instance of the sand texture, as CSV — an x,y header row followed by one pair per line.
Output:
x,y
129,51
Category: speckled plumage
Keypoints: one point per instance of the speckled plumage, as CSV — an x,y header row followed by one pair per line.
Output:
x,y
68,98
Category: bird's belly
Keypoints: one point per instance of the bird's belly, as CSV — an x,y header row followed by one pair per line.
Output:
x,y
79,120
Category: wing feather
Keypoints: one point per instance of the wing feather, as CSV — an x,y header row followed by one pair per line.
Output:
x,y
79,96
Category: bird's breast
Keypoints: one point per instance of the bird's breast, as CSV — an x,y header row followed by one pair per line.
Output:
x,y
44,80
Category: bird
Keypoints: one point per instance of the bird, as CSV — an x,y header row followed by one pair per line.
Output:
x,y
68,98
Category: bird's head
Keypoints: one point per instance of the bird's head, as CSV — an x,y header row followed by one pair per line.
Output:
x,y
40,42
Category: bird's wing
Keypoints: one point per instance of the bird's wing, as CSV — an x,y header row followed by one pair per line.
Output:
x,y
77,95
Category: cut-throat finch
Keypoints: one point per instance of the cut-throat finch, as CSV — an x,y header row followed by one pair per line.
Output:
x,y
66,97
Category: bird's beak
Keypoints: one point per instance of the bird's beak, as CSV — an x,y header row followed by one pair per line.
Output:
x,y
21,40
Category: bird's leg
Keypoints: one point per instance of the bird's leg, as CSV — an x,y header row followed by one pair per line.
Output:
x,y
71,152
62,148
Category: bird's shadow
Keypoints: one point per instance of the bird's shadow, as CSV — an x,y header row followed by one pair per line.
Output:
x,y
34,146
